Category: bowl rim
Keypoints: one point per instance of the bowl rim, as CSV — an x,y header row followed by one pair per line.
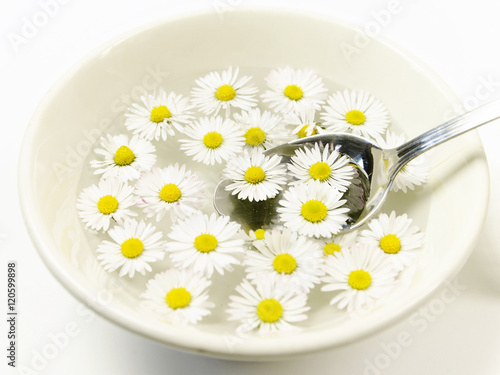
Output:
x,y
52,262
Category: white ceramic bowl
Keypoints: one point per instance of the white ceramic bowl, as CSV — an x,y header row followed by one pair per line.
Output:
x,y
91,100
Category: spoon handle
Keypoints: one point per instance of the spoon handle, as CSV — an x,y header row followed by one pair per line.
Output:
x,y
442,133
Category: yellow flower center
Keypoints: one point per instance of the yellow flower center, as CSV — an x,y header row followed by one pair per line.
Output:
x,y
386,163
212,140
293,92
269,310
255,136
124,156
255,174
132,248
284,263
355,117
225,93
320,171
390,244
359,279
331,248
170,193
205,243
302,133
107,204
178,298
160,113
314,210
260,234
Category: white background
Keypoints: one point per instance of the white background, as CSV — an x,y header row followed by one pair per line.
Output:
x,y
457,332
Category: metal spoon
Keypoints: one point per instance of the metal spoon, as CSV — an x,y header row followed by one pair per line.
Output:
x,y
377,168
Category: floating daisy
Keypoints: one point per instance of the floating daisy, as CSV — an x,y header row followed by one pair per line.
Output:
x,y
286,254
213,140
261,130
415,173
271,306
339,242
356,112
254,176
134,246
178,296
363,275
396,236
172,189
292,90
159,115
304,122
224,90
110,200
326,166
256,235
205,243
123,158
313,209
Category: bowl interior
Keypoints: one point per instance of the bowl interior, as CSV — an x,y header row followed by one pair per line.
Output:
x,y
92,98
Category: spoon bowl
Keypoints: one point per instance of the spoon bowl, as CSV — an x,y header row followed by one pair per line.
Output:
x,y
361,152
376,169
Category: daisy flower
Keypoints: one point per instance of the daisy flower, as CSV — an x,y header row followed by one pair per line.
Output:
x,y
304,122
396,236
356,112
179,296
254,176
123,158
256,235
339,242
326,166
415,173
134,246
261,130
205,243
313,209
362,274
224,90
172,189
110,200
213,140
291,90
271,306
286,254
159,115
